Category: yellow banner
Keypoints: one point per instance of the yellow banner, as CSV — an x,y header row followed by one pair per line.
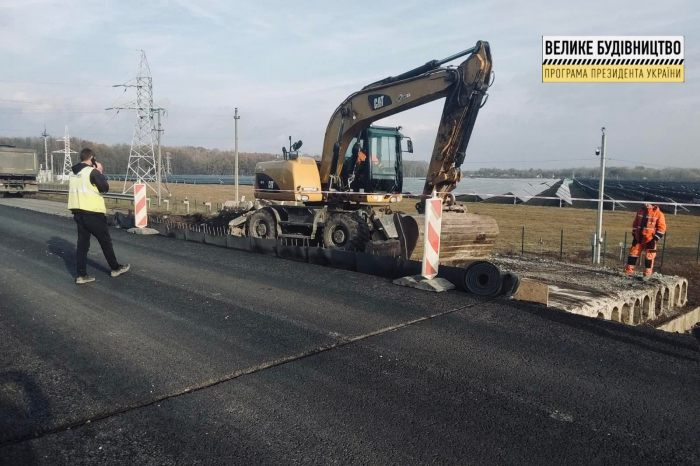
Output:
x,y
613,73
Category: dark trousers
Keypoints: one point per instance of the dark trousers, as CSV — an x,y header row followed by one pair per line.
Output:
x,y
95,225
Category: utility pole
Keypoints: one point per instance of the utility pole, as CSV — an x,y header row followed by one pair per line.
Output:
x,y
46,155
235,120
601,195
159,168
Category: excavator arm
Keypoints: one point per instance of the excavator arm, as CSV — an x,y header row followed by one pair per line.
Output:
x,y
463,87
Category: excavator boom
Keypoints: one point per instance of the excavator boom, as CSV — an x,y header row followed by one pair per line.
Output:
x,y
463,88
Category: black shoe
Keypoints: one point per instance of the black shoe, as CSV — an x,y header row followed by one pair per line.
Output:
x,y
122,269
83,279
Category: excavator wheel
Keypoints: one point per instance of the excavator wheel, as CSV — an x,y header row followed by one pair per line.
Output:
x,y
345,231
262,224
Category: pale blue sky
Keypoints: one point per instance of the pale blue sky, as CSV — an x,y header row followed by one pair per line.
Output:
x,y
287,65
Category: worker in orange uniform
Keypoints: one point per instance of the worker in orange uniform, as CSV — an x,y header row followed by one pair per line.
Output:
x,y
648,228
362,157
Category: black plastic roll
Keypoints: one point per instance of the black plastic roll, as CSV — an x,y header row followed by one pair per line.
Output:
x,y
511,284
483,278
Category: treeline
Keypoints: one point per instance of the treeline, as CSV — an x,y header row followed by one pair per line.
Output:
x,y
187,160
190,160
415,169
616,173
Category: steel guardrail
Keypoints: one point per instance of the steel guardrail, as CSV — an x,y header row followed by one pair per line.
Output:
x,y
64,192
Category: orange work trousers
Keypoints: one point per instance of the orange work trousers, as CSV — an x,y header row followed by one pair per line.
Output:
x,y
649,256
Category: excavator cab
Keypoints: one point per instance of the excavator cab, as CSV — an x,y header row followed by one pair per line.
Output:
x,y
373,164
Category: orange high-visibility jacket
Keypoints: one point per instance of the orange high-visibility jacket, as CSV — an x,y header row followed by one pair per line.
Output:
x,y
362,157
649,221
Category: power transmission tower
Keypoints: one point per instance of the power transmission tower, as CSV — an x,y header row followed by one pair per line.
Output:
x,y
142,160
67,161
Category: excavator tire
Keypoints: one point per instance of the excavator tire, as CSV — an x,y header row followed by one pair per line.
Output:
x,y
347,232
262,224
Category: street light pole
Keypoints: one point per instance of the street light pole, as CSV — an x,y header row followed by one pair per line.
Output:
x,y
160,160
601,196
235,119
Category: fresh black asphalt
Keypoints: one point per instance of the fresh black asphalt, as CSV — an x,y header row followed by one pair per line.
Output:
x,y
204,355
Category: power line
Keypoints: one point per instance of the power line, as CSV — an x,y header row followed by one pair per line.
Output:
x,y
55,110
103,126
20,101
54,83
85,43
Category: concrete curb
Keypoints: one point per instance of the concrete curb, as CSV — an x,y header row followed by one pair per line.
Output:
x,y
215,240
194,236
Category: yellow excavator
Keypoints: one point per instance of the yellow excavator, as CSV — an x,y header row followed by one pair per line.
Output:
x,y
344,201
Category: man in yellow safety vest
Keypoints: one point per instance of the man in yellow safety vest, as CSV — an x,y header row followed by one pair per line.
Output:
x,y
87,184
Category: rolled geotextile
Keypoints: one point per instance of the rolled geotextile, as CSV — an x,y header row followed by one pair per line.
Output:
x,y
510,285
483,278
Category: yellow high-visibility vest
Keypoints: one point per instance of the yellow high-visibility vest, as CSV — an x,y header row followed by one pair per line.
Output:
x,y
84,195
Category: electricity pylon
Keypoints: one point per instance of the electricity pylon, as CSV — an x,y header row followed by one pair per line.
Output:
x,y
67,161
142,160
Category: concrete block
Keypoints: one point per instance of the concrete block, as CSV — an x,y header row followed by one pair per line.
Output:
x,y
345,260
267,247
374,265
242,243
161,227
295,253
177,233
417,281
216,240
194,236
319,256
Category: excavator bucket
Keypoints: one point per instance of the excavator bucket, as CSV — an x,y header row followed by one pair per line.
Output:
x,y
464,236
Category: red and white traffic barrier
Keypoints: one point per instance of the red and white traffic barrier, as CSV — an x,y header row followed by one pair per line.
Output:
x,y
431,246
140,212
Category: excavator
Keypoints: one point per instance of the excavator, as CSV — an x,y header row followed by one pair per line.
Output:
x,y
344,200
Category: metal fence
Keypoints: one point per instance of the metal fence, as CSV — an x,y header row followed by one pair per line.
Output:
x,y
577,246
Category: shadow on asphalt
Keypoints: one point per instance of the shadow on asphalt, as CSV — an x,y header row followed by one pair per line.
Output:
x,y
22,408
618,332
66,251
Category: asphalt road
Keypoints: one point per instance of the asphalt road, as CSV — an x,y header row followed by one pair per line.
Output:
x,y
203,355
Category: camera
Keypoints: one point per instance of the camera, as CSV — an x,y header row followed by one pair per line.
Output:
x,y
597,151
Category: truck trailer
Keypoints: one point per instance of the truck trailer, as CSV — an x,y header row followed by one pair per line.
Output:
x,y
19,169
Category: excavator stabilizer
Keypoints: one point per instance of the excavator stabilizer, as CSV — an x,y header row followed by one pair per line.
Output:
x,y
463,238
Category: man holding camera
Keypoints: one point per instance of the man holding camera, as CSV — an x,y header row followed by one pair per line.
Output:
x,y
87,184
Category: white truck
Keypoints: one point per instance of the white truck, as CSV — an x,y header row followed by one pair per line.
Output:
x,y
18,171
